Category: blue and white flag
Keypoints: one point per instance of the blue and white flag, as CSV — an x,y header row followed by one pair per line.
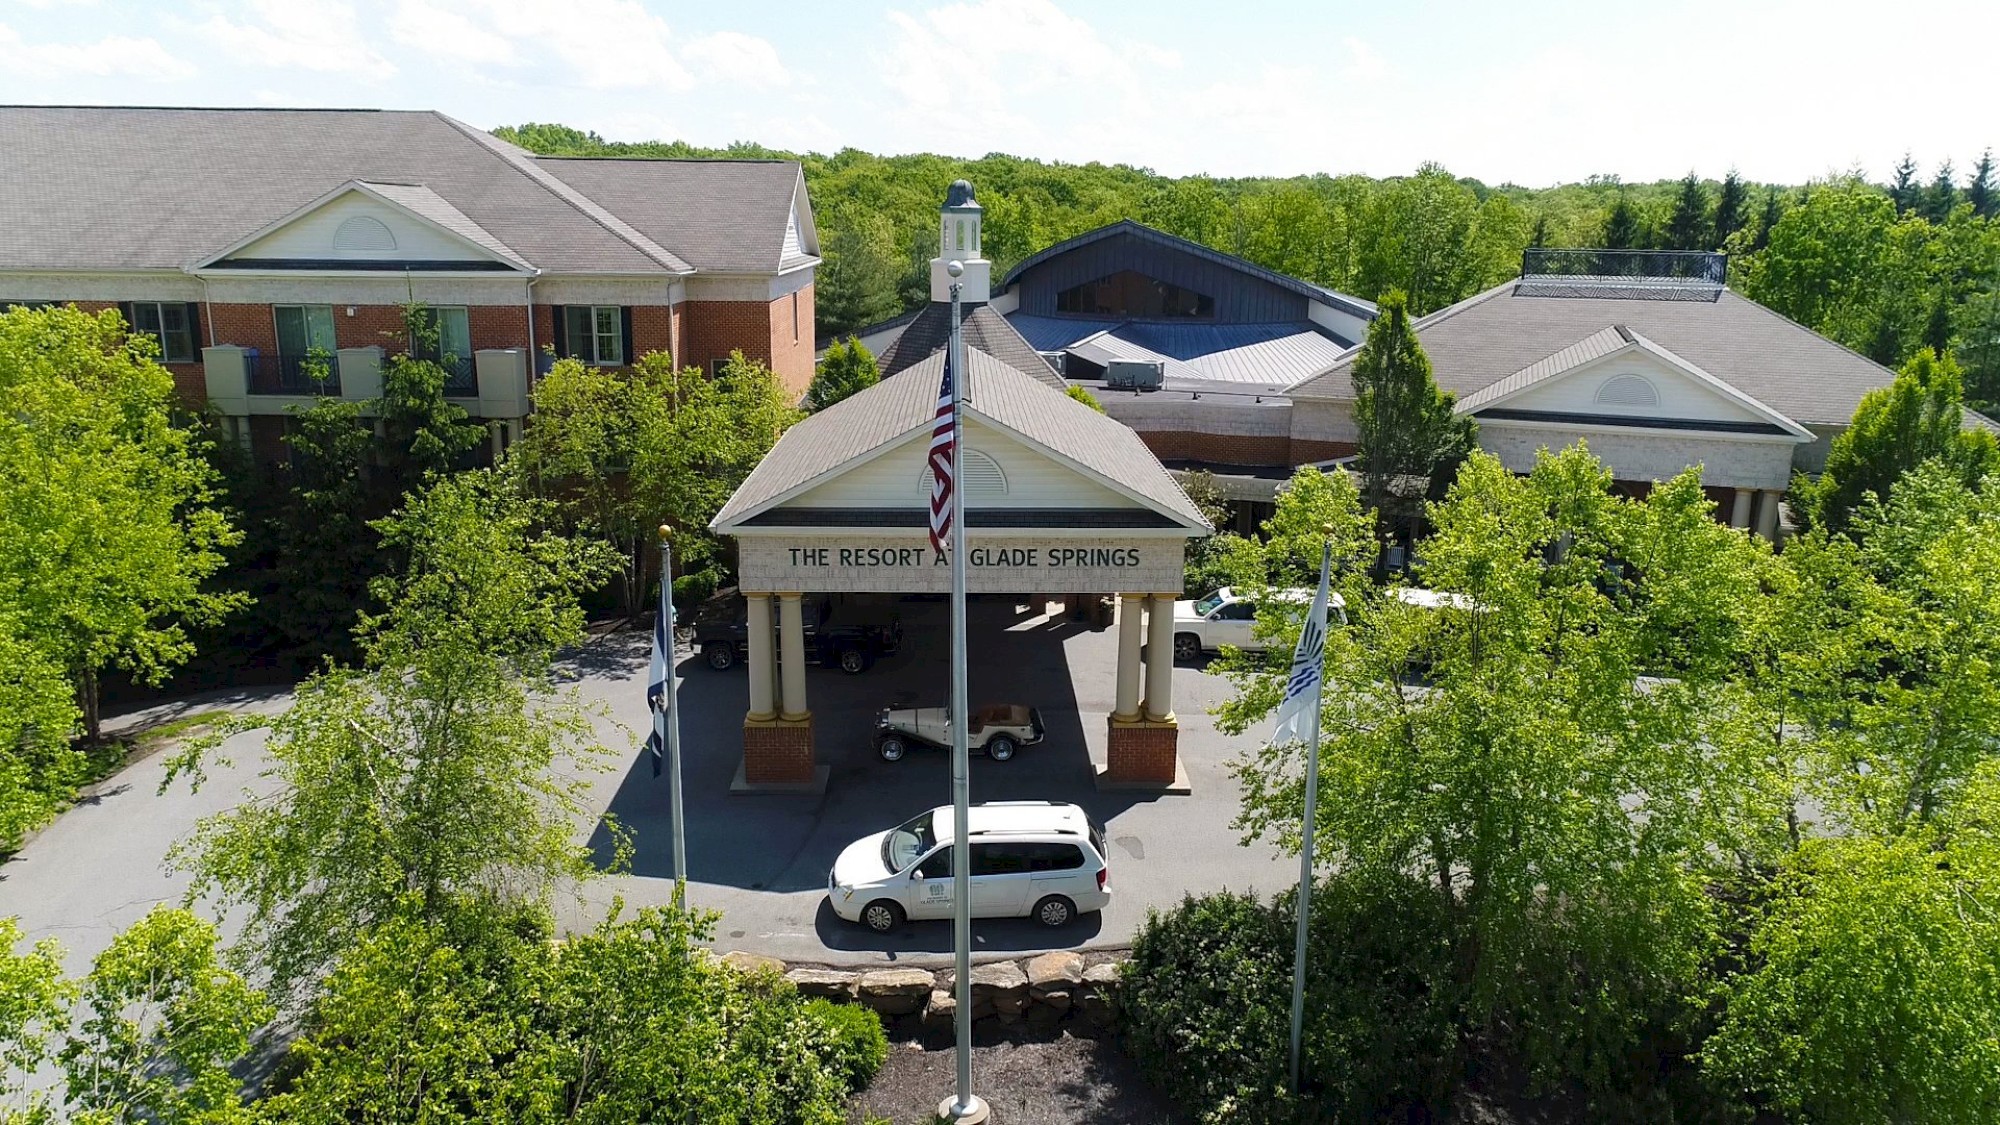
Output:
x,y
1300,706
656,675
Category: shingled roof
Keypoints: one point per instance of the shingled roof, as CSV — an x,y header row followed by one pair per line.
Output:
x,y
121,189
986,330
903,404
1501,332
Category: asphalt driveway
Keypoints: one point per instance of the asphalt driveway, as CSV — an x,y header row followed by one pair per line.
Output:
x,y
759,860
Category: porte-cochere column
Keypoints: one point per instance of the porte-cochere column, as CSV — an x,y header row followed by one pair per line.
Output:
x,y
1142,744
777,731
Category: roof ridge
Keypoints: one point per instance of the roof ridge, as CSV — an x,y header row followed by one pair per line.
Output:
x,y
581,203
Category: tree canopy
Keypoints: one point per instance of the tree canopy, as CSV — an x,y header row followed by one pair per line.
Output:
x,y
1407,429
845,369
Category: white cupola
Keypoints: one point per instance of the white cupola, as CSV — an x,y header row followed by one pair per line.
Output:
x,y
958,240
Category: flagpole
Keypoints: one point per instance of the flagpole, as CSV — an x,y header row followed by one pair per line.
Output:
x,y
1306,843
964,1108
673,718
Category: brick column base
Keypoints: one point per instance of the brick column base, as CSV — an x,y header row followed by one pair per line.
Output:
x,y
778,751
1141,753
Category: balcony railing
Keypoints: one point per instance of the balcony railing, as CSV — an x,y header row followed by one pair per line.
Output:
x,y
461,380
279,374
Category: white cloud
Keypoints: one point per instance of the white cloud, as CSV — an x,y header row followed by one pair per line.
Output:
x,y
731,56
602,44
1363,61
441,31
321,35
113,56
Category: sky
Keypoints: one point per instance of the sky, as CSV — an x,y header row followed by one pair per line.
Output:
x,y
1533,92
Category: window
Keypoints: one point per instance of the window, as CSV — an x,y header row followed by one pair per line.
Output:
x,y
1130,293
1002,859
715,367
1238,611
938,866
595,333
795,318
168,322
450,332
304,329
1054,857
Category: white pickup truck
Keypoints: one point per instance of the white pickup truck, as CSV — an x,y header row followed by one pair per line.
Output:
x,y
1228,617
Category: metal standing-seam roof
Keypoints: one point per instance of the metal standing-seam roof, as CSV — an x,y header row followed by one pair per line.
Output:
x,y
119,189
1780,363
1002,395
727,216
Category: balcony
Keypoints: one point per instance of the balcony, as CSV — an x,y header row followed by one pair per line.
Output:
x,y
461,378
278,374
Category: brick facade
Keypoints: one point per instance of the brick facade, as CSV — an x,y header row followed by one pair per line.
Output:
x,y
1218,449
1141,753
778,752
761,330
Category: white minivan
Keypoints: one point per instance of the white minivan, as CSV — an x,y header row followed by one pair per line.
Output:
x,y
1038,859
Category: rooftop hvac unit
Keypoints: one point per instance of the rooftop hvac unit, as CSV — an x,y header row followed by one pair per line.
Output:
x,y
1134,374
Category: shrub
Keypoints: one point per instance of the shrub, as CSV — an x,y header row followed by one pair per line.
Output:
x,y
1207,1004
855,1046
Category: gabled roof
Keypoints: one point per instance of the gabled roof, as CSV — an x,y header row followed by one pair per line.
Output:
x,y
1346,303
415,200
1605,344
902,407
120,189
1269,357
930,330
724,216
1494,335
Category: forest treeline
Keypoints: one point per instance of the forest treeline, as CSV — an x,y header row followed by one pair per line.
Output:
x,y
1886,269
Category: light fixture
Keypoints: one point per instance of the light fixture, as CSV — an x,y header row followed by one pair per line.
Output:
x,y
350,310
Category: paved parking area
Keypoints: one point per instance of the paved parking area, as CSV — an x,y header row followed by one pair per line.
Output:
x,y
759,860
762,860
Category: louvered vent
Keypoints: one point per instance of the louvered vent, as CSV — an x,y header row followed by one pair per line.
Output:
x,y
362,235
979,474
1628,390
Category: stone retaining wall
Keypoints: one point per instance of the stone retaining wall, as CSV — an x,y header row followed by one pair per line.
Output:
x,y
1075,990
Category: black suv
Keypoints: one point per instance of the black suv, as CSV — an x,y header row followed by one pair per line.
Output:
x,y
722,633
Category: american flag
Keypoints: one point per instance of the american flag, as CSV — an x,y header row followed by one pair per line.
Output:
x,y
944,441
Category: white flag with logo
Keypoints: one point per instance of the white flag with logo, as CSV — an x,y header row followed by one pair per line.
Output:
x,y
1300,707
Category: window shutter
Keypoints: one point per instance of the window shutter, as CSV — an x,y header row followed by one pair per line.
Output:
x,y
562,331
194,331
125,310
625,331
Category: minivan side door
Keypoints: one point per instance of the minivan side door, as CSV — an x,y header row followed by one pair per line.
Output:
x,y
930,889
1001,873
1058,868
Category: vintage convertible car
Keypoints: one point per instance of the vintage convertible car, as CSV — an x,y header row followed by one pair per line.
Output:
x,y
999,730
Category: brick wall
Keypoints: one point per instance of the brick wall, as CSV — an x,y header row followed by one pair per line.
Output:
x,y
761,330
189,378
1305,452
1219,449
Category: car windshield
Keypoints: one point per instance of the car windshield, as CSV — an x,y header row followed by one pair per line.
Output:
x,y
1207,605
907,843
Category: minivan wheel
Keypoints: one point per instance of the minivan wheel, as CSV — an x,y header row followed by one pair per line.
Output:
x,y
1187,648
1055,911
882,916
720,655
1001,747
891,748
853,661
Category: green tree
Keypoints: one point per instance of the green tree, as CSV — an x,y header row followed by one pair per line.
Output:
x,y
1574,919
326,550
1904,190
1081,394
39,768
1410,438
423,432
1979,188
1622,228
1732,208
1687,228
162,1022
1941,196
107,531
1874,991
1895,428
845,369
1825,262
427,775
35,999
1767,219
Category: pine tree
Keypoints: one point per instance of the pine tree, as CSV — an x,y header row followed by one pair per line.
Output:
x,y
1937,330
1539,237
1731,208
1903,189
1621,228
1774,209
1687,228
846,369
1941,196
1979,190
1405,426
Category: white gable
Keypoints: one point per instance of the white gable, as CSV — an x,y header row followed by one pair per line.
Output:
x,y
792,248
357,226
1632,383
999,472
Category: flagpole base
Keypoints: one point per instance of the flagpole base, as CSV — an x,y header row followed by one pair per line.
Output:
x,y
974,1113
